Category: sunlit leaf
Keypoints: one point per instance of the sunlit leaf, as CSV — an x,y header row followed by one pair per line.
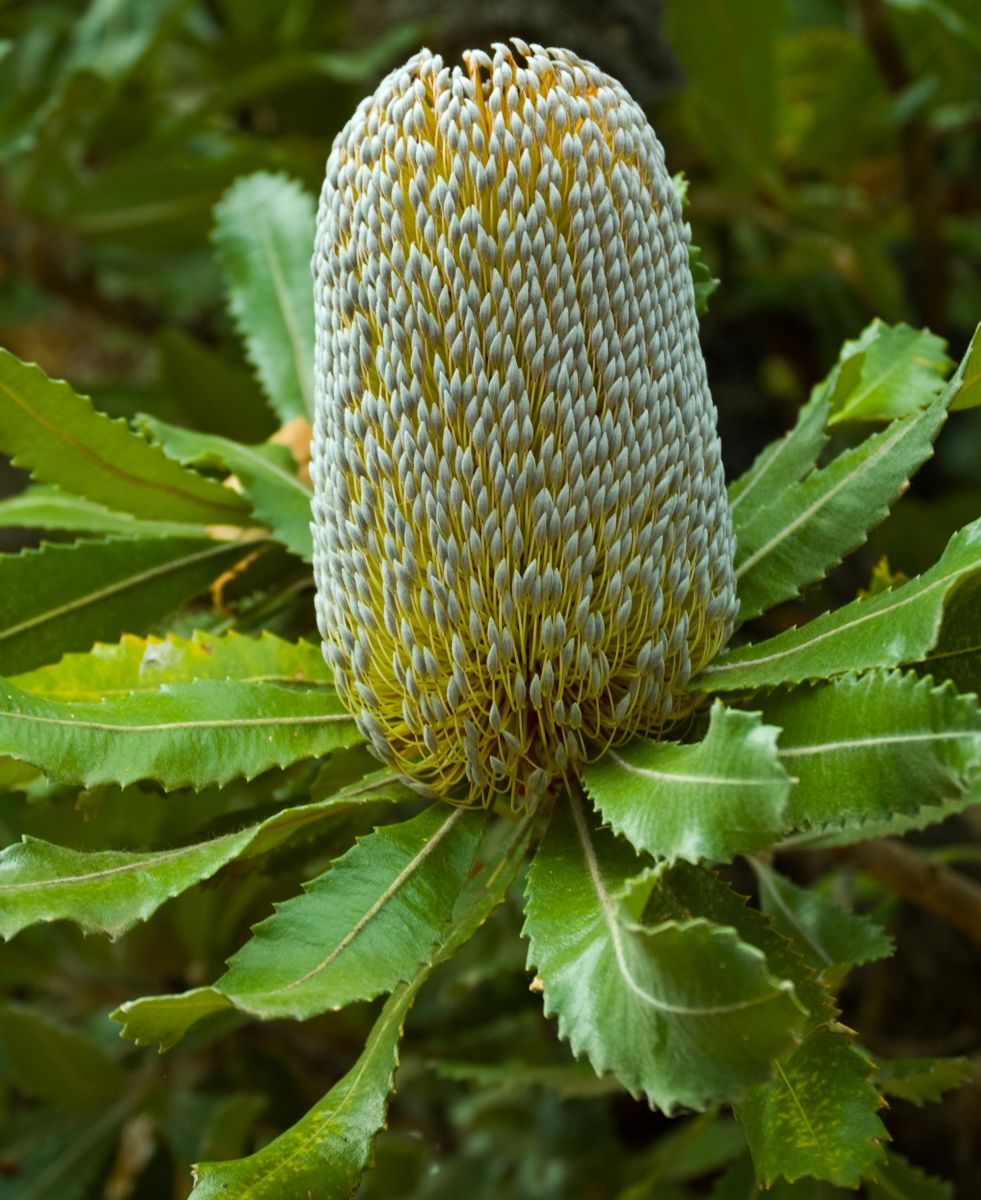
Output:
x,y
712,799
888,371
44,507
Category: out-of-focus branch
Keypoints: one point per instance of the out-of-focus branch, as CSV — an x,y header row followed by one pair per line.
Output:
x,y
945,893
918,167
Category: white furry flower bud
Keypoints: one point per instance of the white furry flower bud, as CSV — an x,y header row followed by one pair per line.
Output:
x,y
523,547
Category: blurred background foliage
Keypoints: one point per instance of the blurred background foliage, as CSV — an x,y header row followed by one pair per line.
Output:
x,y
833,149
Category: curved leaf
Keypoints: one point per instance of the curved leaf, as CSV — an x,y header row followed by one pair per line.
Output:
x,y
264,237
65,597
44,507
182,735
864,749
684,1012
712,799
61,439
898,626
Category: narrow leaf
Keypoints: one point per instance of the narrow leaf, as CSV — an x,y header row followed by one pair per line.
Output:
x,y
712,799
185,735
45,507
684,1012
898,1179
824,932
818,1117
865,748
964,389
50,1062
324,1154
138,664
61,439
810,526
264,237
65,597
898,626
889,371
162,1021
109,891
363,926
267,472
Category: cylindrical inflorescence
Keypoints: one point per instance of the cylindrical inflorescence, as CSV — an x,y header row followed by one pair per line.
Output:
x,y
523,546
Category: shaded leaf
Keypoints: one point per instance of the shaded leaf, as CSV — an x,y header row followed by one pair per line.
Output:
x,y
50,1062
824,932
109,891
263,234
60,438
793,542
65,597
888,371
59,1157
569,1080
146,664
866,748
684,1012
183,735
922,1080
965,387
712,799
898,1179
897,626
818,1117
267,473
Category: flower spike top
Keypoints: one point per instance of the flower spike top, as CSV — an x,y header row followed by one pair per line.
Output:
x,y
523,546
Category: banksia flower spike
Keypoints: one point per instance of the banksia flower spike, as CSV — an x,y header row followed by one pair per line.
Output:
x,y
523,543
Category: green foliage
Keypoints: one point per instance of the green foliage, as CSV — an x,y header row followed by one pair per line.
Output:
x,y
163,639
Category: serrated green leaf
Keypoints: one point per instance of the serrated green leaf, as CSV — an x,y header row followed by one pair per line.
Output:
x,y
62,440
52,1063
739,1183
267,472
898,1179
922,1080
324,1154
964,389
895,627
783,462
819,520
263,234
363,926
65,597
703,281
109,891
146,664
684,1012
889,371
957,653
824,932
863,749
162,1021
818,1117
182,735
712,799
44,507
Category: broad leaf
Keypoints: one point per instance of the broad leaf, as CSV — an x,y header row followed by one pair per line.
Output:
x,y
922,1080
50,1062
863,749
324,1154
784,462
827,934
898,626
818,1117
136,664
184,735
964,388
363,926
712,799
264,237
65,597
888,371
684,1012
109,891
811,525
45,507
267,473
61,439
956,654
